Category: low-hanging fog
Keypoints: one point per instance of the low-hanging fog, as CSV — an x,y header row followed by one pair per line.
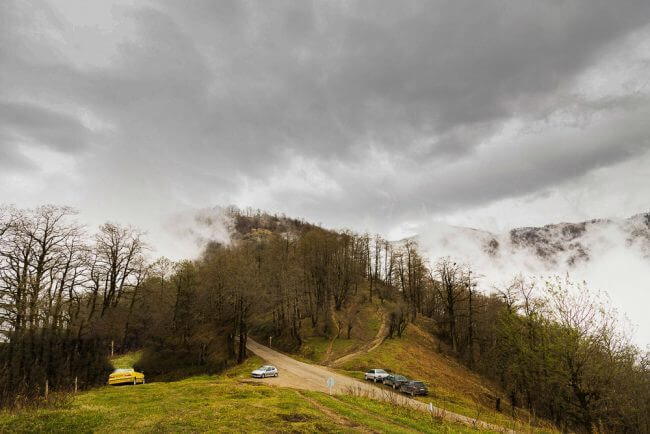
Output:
x,y
611,256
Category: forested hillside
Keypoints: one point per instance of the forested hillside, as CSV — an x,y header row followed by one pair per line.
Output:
x,y
68,296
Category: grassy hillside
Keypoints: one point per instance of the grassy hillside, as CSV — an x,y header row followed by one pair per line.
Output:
x,y
416,355
226,403
452,386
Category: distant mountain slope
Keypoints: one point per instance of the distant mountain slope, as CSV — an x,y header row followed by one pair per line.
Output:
x,y
572,243
610,255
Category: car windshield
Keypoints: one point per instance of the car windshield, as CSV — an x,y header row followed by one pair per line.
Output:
x,y
118,371
418,383
400,377
380,371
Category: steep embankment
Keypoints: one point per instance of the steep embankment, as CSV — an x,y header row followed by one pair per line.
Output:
x,y
452,386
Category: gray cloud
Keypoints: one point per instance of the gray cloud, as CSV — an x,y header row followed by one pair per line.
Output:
x,y
44,126
394,109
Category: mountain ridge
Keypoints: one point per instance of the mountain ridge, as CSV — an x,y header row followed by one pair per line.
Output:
x,y
610,255
550,241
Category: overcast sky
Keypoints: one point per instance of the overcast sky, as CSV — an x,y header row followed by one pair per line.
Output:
x,y
379,116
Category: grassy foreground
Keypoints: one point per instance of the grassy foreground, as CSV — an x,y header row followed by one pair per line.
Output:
x,y
226,403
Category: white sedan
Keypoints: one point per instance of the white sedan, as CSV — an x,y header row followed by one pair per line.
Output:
x,y
375,375
265,371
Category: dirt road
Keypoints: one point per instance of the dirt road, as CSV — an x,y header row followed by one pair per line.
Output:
x,y
300,375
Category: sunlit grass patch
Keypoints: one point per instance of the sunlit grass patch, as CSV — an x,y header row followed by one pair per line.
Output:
x,y
127,360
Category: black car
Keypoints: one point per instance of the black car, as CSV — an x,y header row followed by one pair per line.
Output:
x,y
414,388
395,381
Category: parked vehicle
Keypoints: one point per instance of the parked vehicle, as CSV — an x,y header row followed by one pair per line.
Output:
x,y
414,388
395,381
376,375
125,376
265,371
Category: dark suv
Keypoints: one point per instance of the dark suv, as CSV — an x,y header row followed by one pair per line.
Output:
x,y
414,388
395,381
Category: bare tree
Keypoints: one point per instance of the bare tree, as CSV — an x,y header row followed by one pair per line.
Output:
x,y
43,276
449,274
119,253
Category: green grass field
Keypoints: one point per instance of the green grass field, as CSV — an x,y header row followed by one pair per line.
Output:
x,y
230,402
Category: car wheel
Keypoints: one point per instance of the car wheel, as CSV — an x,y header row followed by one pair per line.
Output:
x,y
263,375
374,379
394,387
412,394
277,373
134,383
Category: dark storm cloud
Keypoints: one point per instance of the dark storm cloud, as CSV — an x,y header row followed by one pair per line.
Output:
x,y
209,100
46,127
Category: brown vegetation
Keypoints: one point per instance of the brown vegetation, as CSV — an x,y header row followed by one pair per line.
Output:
x,y
66,296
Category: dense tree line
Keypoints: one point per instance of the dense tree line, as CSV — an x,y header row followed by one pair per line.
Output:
x,y
559,352
58,286
269,282
68,296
